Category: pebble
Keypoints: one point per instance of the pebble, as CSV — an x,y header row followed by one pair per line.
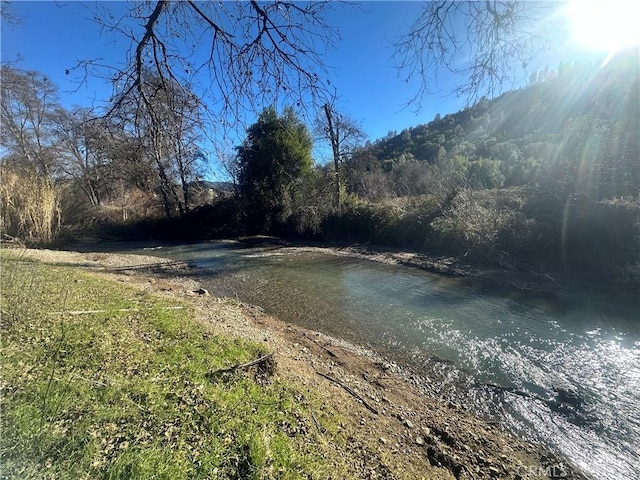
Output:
x,y
494,471
382,440
419,441
408,423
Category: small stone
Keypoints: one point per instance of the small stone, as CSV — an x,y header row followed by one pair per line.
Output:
x,y
408,423
382,440
419,441
494,471
426,430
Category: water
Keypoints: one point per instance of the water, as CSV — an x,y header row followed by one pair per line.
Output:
x,y
562,372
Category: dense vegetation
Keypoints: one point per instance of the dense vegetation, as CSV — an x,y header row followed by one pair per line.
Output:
x,y
106,381
545,178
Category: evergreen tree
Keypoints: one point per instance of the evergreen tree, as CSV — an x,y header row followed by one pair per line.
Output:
x,y
272,160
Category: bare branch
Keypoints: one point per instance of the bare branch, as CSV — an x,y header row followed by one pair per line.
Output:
x,y
489,44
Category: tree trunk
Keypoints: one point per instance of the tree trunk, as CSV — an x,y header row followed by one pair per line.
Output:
x,y
333,136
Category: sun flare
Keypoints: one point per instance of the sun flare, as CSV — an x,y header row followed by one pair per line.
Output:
x,y
605,25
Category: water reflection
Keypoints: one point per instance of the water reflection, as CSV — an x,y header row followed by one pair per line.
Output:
x,y
566,373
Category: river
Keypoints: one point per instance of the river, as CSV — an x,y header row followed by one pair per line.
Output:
x,y
564,372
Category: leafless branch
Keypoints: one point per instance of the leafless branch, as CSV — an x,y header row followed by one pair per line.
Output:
x,y
489,44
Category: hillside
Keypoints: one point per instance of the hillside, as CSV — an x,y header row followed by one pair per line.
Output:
x,y
577,126
543,179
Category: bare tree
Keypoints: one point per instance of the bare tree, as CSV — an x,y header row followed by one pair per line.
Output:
x,y
343,134
8,14
237,56
82,153
29,104
489,43
166,118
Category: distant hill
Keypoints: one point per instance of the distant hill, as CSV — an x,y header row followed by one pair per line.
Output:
x,y
577,126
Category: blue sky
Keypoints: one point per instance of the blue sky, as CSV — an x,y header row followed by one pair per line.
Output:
x,y
54,36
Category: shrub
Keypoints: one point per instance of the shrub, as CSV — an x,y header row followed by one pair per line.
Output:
x,y
472,225
29,206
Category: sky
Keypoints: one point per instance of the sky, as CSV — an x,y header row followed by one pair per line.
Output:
x,y
53,36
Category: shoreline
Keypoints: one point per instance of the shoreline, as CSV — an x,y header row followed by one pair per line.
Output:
x,y
396,425
555,284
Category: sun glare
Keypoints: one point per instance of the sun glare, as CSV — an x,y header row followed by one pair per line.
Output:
x,y
605,25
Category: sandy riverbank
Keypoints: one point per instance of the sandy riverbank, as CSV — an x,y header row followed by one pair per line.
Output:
x,y
397,431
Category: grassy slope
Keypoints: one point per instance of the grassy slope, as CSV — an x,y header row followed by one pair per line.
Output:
x,y
125,394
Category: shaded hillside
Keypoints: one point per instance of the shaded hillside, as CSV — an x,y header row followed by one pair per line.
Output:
x,y
577,128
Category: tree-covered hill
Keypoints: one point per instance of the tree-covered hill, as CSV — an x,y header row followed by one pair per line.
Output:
x,y
577,126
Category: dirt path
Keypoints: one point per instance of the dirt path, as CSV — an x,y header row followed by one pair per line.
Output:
x,y
394,430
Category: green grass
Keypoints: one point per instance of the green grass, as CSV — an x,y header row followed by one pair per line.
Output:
x,y
125,394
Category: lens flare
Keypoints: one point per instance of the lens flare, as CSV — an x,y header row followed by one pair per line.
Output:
x,y
606,26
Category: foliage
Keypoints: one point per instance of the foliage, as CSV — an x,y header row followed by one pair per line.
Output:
x,y
273,158
305,209
577,131
105,381
532,229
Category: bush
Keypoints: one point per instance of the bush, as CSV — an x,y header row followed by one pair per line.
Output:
x,y
29,207
472,226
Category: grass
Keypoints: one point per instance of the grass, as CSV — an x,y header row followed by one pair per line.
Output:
x,y
124,392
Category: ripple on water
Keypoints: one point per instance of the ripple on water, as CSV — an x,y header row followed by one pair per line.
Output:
x,y
530,349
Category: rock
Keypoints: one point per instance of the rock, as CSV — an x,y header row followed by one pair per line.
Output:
x,y
419,441
201,291
382,440
408,423
494,471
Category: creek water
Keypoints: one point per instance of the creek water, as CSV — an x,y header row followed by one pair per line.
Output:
x,y
564,372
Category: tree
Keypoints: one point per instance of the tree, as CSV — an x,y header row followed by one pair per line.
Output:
x,y
82,159
29,107
271,160
254,53
488,43
167,118
29,201
8,15
344,135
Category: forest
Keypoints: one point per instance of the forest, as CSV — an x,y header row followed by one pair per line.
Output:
x,y
543,179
